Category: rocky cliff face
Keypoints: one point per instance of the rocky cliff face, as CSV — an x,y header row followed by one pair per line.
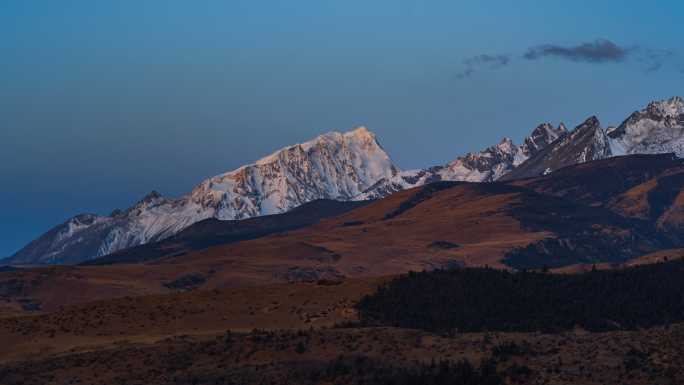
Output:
x,y
585,143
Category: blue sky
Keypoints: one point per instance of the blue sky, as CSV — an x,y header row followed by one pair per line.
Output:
x,y
103,101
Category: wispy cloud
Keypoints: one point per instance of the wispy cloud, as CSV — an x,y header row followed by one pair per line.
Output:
x,y
599,51
653,59
475,63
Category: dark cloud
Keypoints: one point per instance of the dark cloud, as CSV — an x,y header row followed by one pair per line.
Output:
x,y
599,51
478,62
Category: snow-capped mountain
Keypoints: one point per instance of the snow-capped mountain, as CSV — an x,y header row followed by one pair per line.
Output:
x,y
487,165
346,166
332,166
658,128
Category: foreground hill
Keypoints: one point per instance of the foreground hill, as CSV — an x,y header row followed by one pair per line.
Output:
x,y
307,333
370,356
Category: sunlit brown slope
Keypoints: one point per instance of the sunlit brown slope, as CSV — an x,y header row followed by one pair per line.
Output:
x,y
455,223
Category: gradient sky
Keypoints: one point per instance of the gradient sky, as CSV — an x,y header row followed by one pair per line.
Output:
x,y
103,101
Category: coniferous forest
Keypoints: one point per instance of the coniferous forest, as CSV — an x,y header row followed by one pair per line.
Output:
x,y
486,299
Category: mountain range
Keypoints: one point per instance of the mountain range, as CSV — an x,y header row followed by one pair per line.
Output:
x,y
349,166
611,212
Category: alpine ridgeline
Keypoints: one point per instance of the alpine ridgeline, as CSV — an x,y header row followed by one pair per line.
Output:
x,y
346,166
487,165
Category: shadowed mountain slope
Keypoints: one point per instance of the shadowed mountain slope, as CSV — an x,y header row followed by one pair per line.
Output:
x,y
210,232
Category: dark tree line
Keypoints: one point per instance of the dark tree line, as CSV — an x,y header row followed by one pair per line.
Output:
x,y
364,370
484,299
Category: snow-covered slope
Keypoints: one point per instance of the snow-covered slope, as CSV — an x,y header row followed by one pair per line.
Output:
x,y
332,166
487,165
659,128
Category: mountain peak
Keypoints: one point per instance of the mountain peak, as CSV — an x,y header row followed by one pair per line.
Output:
x,y
334,165
358,134
667,108
592,122
154,194
543,135
151,197
360,131
362,134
